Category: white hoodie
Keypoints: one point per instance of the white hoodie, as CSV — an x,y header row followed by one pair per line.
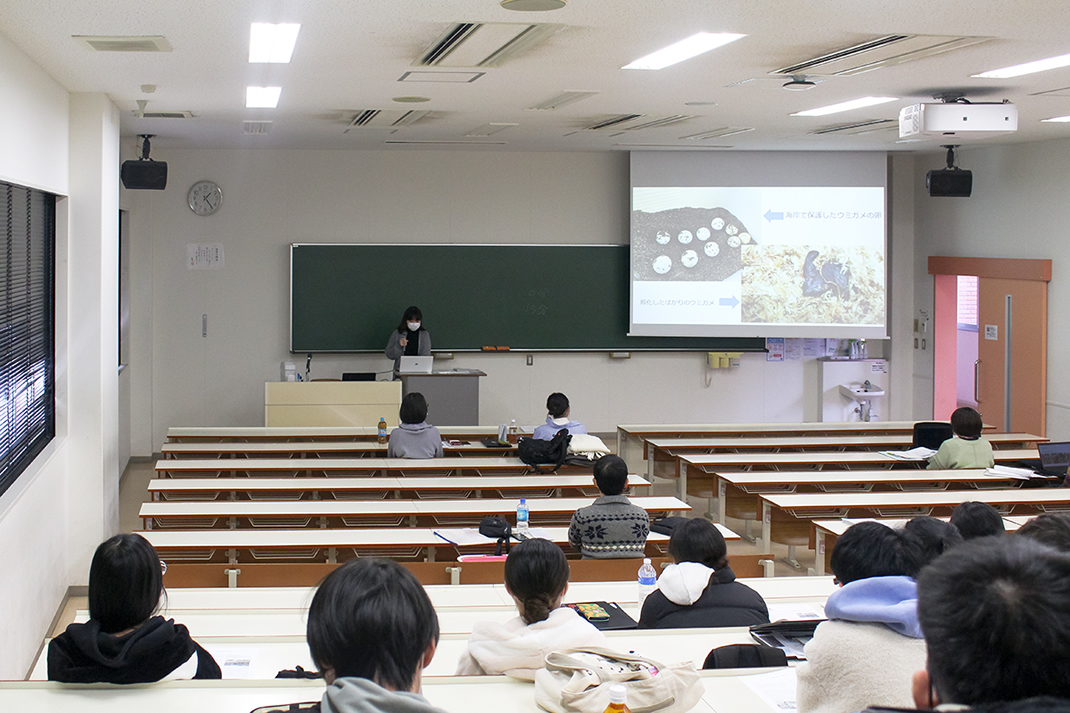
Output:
x,y
519,650
685,582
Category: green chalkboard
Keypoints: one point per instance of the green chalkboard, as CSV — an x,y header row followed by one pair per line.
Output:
x,y
348,297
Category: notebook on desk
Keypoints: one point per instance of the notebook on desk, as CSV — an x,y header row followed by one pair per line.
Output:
x,y
415,365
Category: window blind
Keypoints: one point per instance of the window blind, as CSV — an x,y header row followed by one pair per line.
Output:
x,y
27,327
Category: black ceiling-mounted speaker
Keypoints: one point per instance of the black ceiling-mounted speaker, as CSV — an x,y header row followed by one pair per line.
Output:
x,y
144,174
949,183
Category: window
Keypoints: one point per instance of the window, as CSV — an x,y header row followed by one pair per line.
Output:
x,y
967,303
27,327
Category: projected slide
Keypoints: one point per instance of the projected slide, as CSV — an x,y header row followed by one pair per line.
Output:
x,y
793,257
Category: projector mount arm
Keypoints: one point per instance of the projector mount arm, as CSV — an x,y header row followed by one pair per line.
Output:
x,y
145,146
950,156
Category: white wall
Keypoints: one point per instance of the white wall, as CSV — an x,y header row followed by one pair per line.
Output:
x,y
1018,210
273,198
69,147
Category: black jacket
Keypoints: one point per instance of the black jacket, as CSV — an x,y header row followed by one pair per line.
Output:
x,y
84,654
724,602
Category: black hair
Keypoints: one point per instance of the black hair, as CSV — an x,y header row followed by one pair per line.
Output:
x,y
411,313
870,549
698,540
556,404
536,573
413,408
927,538
371,618
966,423
1051,529
125,583
996,623
977,519
611,474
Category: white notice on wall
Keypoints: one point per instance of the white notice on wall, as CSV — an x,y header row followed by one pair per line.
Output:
x,y
775,348
793,349
992,332
204,256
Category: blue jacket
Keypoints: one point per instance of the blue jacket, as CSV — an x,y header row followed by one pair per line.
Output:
x,y
547,431
892,601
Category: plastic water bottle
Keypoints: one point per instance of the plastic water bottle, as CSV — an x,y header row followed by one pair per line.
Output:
x,y
648,581
511,437
383,438
618,699
522,517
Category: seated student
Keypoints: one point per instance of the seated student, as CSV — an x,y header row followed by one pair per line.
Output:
x,y
869,649
700,589
123,642
997,626
966,449
611,527
371,631
414,438
1051,529
928,538
976,519
536,577
557,408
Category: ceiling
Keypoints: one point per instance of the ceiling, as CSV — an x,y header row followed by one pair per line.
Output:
x,y
351,54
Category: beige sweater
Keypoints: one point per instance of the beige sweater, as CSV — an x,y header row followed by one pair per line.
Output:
x,y
851,665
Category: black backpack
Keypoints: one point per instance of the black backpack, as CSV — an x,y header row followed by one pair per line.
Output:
x,y
536,452
498,528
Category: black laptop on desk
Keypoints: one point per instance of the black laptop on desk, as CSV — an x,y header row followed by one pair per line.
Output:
x,y
1053,461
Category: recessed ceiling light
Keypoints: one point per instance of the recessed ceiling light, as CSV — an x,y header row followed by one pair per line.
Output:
x,y
684,49
262,97
412,100
845,106
272,43
1018,70
532,5
1057,120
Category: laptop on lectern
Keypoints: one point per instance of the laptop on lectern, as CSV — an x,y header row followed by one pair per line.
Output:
x,y
415,365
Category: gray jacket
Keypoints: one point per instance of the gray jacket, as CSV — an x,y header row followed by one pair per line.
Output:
x,y
415,440
395,351
610,528
359,695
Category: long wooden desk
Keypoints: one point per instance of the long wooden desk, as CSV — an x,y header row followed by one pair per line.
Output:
x,y
791,509
346,466
241,434
291,488
317,449
738,492
826,532
720,462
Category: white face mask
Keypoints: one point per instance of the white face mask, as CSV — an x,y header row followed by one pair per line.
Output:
x,y
413,326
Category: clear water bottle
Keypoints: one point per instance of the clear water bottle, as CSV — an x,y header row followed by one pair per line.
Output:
x,y
648,581
383,438
522,517
512,436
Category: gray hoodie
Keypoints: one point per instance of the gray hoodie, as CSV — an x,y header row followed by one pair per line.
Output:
x,y
415,440
359,695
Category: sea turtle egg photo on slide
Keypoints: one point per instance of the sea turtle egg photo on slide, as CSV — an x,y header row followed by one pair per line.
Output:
x,y
703,234
717,223
684,236
689,258
712,249
733,242
744,238
662,264
663,237
731,230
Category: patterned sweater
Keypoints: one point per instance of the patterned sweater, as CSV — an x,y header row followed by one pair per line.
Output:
x,y
610,528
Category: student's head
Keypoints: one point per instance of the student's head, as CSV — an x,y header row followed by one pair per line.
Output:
x,y
412,314
557,405
413,408
870,549
975,519
370,618
698,540
125,583
1051,529
927,538
966,423
996,623
611,475
536,575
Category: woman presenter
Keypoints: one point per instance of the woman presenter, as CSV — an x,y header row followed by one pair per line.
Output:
x,y
409,339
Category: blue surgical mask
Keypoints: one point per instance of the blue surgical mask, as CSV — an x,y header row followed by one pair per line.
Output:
x,y
413,326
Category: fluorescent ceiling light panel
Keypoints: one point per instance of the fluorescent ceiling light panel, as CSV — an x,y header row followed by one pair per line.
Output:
x,y
272,43
846,106
1040,65
262,97
693,46
1057,120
